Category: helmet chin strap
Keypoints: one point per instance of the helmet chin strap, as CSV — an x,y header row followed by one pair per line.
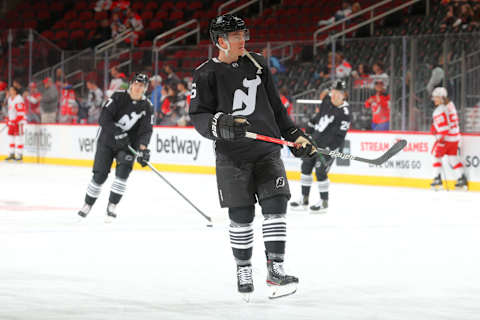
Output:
x,y
224,50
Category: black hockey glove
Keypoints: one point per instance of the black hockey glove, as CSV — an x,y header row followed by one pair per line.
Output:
x,y
307,146
227,127
121,140
143,157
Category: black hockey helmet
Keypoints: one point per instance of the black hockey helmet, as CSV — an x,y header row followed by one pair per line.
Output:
x,y
339,85
222,25
141,78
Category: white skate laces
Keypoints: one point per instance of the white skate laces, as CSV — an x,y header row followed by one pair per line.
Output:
x,y
244,275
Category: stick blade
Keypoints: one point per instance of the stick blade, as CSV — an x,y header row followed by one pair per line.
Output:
x,y
396,148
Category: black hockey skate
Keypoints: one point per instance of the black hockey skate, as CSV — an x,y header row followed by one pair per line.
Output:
x,y
320,207
280,284
436,183
462,183
10,157
300,205
245,281
19,158
84,211
111,215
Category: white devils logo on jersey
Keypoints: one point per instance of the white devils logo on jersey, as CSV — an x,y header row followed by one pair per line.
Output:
x,y
324,122
127,122
249,99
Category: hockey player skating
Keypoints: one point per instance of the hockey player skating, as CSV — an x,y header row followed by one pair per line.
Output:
x,y
229,93
126,119
446,130
15,124
328,128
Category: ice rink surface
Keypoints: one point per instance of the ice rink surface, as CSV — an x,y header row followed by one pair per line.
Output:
x,y
379,253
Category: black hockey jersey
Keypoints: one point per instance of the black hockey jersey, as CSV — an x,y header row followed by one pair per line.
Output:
x,y
240,89
329,126
122,114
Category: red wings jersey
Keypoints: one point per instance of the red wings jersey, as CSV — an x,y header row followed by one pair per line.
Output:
x,y
33,102
445,123
380,108
67,102
16,109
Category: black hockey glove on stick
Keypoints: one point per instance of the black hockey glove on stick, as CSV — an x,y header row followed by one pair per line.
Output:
x,y
143,157
227,127
396,148
171,186
303,144
121,139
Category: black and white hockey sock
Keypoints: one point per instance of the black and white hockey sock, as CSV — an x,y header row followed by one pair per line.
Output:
x,y
275,235
119,186
241,240
306,181
93,191
323,188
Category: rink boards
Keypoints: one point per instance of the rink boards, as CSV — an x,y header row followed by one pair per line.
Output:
x,y
184,150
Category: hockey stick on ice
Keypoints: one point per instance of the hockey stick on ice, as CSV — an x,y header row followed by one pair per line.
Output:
x,y
399,145
167,182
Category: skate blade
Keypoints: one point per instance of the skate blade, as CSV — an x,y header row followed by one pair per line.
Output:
x,y
109,219
437,188
300,208
277,291
319,211
464,188
245,296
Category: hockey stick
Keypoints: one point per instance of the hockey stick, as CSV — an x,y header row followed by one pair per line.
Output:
x,y
399,145
167,182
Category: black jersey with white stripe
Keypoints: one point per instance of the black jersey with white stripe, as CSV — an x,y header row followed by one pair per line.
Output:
x,y
121,113
243,89
329,126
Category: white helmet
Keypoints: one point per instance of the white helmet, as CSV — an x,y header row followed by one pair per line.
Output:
x,y
439,92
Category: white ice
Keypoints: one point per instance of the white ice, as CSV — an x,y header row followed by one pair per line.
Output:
x,y
379,253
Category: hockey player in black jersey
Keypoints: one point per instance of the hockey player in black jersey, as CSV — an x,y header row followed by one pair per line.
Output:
x,y
230,93
126,119
328,128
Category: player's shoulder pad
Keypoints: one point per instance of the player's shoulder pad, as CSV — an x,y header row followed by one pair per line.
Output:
x,y
119,94
203,65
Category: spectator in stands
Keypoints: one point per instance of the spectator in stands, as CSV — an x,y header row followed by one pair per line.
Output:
x,y
169,107
380,106
32,103
172,78
360,76
283,96
343,68
102,34
183,104
156,95
133,21
464,18
118,82
437,77
164,106
49,102
116,25
59,78
68,105
476,16
275,65
3,96
103,5
342,13
448,20
94,101
378,74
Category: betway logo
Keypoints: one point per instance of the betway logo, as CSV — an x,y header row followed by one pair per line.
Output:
x,y
174,145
